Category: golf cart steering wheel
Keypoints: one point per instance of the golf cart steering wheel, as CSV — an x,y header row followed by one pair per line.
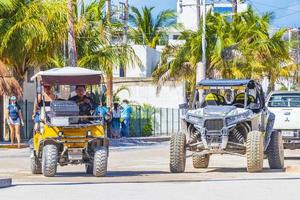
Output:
x,y
239,105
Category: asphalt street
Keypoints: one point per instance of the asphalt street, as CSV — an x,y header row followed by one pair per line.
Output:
x,y
142,172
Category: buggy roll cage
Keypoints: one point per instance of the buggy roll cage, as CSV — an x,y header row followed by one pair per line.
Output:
x,y
242,84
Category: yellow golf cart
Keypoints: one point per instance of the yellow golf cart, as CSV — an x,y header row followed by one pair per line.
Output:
x,y
66,135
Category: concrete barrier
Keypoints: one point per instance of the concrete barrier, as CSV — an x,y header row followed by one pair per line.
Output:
x,y
5,182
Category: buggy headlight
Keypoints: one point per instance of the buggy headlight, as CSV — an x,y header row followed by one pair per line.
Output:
x,y
194,119
89,133
60,133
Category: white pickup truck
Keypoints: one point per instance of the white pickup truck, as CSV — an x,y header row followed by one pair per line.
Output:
x,y
286,107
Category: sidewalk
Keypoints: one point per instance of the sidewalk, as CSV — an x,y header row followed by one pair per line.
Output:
x,y
130,141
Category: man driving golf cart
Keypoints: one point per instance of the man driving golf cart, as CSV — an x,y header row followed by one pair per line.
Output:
x,y
68,131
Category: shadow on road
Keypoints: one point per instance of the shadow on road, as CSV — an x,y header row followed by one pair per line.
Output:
x,y
158,181
232,170
292,158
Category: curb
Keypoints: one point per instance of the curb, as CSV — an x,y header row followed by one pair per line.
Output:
x,y
5,182
15,146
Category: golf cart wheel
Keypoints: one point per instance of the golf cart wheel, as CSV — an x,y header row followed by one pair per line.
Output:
x,y
89,168
177,153
255,151
200,161
275,151
49,160
100,162
35,165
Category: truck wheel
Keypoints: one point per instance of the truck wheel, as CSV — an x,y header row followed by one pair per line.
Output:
x,y
35,165
49,160
100,162
200,161
177,153
89,168
275,151
255,151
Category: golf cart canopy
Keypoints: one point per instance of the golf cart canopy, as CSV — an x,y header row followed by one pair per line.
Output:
x,y
69,76
225,84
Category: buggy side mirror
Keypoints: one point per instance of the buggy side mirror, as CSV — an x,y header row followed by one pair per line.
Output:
x,y
254,106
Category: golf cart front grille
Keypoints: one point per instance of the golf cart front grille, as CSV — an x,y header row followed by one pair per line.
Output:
x,y
214,124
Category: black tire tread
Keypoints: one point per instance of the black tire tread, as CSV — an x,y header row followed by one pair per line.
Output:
x,y
100,162
49,160
200,161
275,151
36,165
255,151
177,153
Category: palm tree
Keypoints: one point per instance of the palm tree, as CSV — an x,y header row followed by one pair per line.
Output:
x,y
147,29
31,32
242,48
95,47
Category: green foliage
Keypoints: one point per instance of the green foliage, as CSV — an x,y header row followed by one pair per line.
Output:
x,y
147,29
242,48
142,121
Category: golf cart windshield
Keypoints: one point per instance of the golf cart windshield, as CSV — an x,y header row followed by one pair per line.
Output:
x,y
70,107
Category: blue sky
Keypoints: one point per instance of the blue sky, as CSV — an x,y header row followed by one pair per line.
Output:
x,y
286,12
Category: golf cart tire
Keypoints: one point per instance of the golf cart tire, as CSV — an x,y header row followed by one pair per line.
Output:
x,y
35,165
275,151
200,161
49,160
255,151
177,153
100,162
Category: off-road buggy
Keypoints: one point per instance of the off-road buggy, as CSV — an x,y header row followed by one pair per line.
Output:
x,y
65,135
230,119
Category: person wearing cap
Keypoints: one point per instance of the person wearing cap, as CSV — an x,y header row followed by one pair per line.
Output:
x,y
116,122
125,118
14,119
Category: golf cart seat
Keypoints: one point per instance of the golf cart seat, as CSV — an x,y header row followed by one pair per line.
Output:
x,y
212,99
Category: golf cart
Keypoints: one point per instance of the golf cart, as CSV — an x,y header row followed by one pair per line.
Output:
x,y
231,119
65,135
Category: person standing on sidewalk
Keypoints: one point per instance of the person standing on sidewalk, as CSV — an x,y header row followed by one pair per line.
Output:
x,y
15,120
115,123
125,118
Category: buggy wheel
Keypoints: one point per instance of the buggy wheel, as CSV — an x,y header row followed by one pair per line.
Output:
x,y
35,165
177,153
49,160
100,162
255,151
275,151
201,161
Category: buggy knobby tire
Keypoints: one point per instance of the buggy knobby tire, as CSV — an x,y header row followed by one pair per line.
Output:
x,y
35,165
255,151
100,162
200,161
275,151
89,168
177,153
49,160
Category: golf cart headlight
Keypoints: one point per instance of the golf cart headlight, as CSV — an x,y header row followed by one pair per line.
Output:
x,y
196,120
60,133
89,133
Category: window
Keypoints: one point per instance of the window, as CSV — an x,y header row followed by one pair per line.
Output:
x,y
284,100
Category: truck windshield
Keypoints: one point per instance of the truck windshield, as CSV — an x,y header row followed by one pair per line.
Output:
x,y
284,100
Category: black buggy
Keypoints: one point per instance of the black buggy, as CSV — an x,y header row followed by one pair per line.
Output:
x,y
230,119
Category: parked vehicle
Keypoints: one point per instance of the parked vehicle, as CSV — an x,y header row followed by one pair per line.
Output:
x,y
65,136
232,119
286,107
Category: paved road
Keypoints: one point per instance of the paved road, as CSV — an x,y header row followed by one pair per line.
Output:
x,y
143,173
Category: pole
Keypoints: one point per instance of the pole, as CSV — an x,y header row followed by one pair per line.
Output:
x,y
203,71
126,16
71,36
234,6
198,5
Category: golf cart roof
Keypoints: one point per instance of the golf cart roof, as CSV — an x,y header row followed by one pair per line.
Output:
x,y
225,83
69,76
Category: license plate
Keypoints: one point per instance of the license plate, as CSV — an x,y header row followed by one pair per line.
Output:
x,y
287,133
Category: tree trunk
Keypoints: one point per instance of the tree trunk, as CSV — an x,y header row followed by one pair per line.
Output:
x,y
234,6
109,97
71,36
